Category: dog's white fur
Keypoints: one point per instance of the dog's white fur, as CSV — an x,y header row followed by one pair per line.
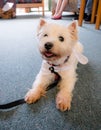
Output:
x,y
63,47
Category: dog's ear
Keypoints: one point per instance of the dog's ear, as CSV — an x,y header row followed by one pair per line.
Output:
x,y
80,57
73,29
73,26
42,22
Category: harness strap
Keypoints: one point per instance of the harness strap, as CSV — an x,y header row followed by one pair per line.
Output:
x,y
56,81
22,101
55,65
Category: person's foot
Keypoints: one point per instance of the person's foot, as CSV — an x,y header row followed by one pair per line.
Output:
x,y
87,18
76,17
85,15
56,17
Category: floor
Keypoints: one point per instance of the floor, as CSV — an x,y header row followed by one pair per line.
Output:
x,y
20,62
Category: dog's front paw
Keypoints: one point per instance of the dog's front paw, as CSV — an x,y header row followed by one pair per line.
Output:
x,y
32,96
63,101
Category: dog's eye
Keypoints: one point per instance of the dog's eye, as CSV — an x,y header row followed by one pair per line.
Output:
x,y
45,35
61,38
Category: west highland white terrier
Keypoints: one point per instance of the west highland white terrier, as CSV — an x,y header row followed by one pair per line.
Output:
x,y
60,49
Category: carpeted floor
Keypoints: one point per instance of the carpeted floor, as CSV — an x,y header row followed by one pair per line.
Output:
x,y
19,63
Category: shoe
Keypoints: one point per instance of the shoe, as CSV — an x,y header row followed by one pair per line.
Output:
x,y
56,17
85,15
76,17
88,18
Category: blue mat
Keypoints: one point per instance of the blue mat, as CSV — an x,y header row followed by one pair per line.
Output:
x,y
20,61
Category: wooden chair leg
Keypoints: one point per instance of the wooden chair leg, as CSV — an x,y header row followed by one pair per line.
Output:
x,y
43,12
0,12
98,18
81,14
27,10
94,8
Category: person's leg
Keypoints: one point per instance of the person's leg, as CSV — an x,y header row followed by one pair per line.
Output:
x,y
79,3
59,8
63,5
76,17
88,10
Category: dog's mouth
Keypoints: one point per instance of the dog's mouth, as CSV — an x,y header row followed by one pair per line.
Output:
x,y
49,54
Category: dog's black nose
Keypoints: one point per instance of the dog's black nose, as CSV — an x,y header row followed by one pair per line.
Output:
x,y
48,45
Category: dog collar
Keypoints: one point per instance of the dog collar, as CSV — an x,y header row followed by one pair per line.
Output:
x,y
59,64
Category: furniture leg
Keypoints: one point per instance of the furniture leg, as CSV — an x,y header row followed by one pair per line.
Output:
x,y
81,14
43,9
98,18
94,8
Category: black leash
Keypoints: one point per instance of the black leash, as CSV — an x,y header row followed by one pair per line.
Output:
x,y
12,104
22,101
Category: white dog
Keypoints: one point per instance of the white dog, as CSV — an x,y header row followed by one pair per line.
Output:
x,y
59,48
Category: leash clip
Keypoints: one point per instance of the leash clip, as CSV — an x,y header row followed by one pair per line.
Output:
x,y
51,69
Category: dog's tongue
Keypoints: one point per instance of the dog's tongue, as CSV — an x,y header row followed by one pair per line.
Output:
x,y
48,54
